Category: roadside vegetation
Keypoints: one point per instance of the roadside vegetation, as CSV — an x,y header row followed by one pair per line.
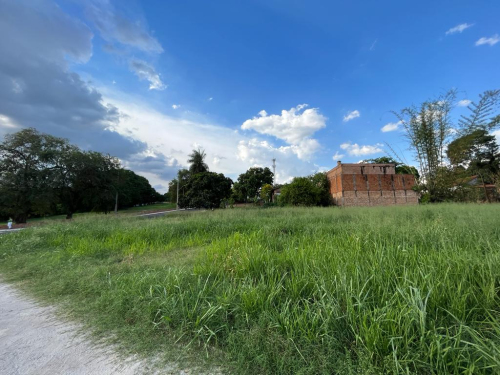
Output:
x,y
42,175
411,290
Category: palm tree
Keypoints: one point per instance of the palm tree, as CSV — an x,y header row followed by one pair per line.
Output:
x,y
197,161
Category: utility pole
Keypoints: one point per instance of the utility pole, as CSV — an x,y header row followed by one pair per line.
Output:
x,y
178,190
274,169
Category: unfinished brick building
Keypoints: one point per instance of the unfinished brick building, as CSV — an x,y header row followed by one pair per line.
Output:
x,y
370,185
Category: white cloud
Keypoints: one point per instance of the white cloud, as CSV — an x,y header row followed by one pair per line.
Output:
x,y
210,99
295,127
391,126
353,149
176,106
116,26
146,72
171,139
352,115
491,41
496,133
464,103
337,156
459,28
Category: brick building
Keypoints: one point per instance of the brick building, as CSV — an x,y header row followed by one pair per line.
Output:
x,y
367,184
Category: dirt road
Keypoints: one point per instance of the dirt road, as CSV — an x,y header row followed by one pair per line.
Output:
x,y
34,341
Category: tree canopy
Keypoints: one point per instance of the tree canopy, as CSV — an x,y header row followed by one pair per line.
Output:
x,y
313,190
205,190
249,183
41,174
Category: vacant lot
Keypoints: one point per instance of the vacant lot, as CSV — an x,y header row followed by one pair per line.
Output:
x,y
282,291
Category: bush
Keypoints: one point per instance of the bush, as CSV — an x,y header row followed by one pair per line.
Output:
x,y
307,191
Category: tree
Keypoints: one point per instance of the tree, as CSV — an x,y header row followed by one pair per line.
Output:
x,y
266,192
27,162
428,129
206,190
307,191
41,174
250,183
482,114
197,162
476,154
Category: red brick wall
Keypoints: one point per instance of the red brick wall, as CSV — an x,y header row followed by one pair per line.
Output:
x,y
370,185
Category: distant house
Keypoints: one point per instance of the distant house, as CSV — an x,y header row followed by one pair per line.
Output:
x,y
367,184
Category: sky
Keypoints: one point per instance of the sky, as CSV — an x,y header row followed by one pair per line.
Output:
x,y
305,82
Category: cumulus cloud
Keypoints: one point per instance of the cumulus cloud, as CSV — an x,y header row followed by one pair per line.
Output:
x,y
146,72
352,115
491,41
295,127
37,88
115,26
464,103
391,126
228,151
459,28
353,149
176,106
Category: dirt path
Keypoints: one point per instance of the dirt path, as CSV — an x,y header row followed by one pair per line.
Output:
x,y
34,341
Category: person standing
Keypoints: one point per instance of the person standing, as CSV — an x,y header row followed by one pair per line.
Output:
x,y
9,223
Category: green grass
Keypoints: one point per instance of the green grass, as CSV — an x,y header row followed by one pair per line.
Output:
x,y
396,290
131,210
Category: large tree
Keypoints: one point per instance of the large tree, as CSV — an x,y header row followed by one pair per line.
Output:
x,y
27,163
249,183
476,154
206,190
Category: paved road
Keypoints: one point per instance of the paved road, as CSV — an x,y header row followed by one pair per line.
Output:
x,y
162,213
34,341
4,231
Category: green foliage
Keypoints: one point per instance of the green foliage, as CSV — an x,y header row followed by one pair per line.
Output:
x,y
307,191
41,174
206,190
475,153
482,114
266,193
249,183
197,162
428,129
472,151
27,160
385,290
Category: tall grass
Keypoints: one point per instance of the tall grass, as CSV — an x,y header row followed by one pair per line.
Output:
x,y
411,290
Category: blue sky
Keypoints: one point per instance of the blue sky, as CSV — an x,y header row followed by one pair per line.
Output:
x,y
149,81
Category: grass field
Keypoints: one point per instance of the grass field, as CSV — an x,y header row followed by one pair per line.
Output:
x,y
400,290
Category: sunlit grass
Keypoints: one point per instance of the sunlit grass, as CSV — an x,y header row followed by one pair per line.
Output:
x,y
283,291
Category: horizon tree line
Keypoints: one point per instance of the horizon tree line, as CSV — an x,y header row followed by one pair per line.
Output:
x,y
41,175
